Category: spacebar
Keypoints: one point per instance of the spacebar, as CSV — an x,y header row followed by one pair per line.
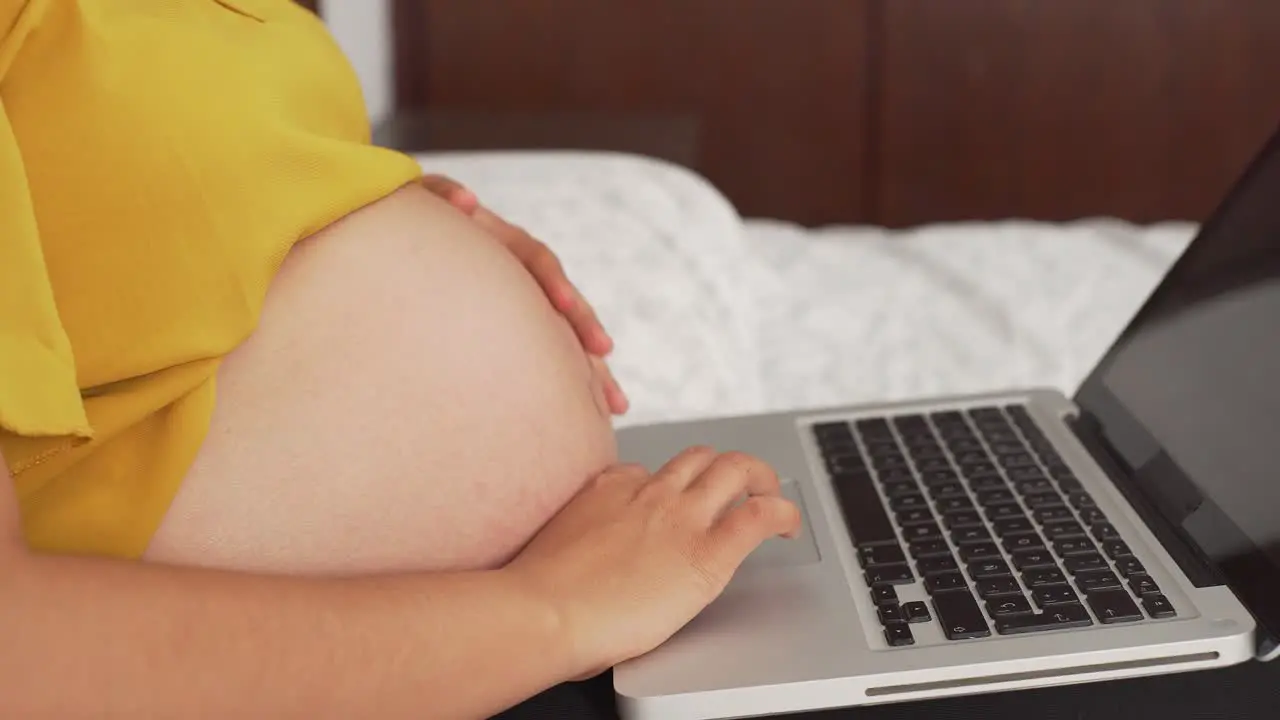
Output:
x,y
862,509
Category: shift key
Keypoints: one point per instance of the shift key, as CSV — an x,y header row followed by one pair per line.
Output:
x,y
959,615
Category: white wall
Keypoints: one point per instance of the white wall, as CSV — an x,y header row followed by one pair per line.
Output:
x,y
363,30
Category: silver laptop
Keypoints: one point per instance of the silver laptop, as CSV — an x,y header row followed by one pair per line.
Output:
x,y
1021,539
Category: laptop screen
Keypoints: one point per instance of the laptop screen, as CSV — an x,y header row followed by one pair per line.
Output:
x,y
1189,396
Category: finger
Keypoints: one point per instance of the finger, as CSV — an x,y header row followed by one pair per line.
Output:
x,y
582,316
727,480
685,467
614,397
452,191
743,528
547,269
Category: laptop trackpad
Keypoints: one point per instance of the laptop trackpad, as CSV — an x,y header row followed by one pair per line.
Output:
x,y
780,551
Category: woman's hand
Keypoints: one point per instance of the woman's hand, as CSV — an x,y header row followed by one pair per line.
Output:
x,y
546,269
634,557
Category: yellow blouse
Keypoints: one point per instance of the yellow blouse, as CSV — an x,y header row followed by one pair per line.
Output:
x,y
158,158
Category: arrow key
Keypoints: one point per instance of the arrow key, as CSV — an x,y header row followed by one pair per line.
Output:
x,y
1113,606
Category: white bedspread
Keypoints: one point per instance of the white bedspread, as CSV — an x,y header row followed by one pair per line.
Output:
x,y
715,316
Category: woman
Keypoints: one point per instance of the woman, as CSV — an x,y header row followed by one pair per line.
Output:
x,y
357,451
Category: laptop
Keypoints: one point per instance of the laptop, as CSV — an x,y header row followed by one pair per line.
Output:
x,y
1020,539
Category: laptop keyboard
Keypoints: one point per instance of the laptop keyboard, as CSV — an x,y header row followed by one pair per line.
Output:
x,y
978,507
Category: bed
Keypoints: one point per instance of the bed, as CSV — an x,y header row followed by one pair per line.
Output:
x,y
716,314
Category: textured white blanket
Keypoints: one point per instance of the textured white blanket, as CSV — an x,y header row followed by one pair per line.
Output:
x,y
717,316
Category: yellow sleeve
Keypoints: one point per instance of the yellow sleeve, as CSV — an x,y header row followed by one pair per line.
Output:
x,y
39,395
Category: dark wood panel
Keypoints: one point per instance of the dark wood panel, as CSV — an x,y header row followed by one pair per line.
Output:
x,y
1144,109
777,88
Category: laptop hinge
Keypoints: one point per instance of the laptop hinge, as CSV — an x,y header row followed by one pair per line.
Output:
x,y
1161,517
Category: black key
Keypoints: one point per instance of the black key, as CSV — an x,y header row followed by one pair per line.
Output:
x,y
995,497
883,447
1003,449
1130,566
978,469
1081,500
1097,580
997,587
1053,514
921,532
896,475
929,548
963,442
929,463
1027,474
890,575
1056,617
1043,500
1023,460
890,462
1067,481
898,488
1089,516
1040,578
936,477
971,536
1060,530
908,502
1067,547
1032,559
987,482
948,490
973,457
1105,531
920,516
881,555
979,551
958,520
1143,585
1013,526
863,513
947,417
935,565
1030,541
945,581
1004,512
1158,606
898,635
916,612
956,504
959,615
1032,487
1008,605
906,423
829,430
1116,549
994,435
874,427
847,461
890,614
884,595
1113,606
1080,563
1054,595
987,569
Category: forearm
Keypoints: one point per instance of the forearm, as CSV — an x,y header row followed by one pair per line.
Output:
x,y
81,637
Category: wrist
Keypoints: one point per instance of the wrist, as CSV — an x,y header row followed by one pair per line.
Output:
x,y
550,618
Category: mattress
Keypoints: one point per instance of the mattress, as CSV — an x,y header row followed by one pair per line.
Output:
x,y
716,315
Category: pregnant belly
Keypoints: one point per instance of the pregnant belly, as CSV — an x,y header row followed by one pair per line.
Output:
x,y
409,400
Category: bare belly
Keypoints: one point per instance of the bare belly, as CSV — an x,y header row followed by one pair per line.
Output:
x,y
410,400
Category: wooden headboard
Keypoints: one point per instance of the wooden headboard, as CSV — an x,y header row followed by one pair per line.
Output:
x,y
891,112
